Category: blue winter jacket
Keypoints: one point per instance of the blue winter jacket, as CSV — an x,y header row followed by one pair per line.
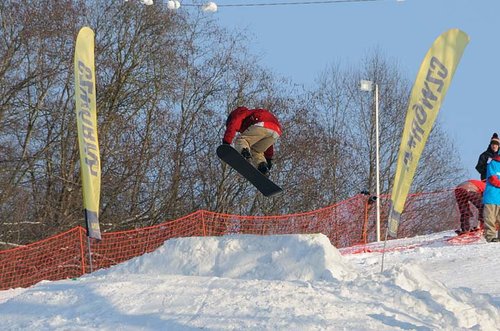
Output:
x,y
492,193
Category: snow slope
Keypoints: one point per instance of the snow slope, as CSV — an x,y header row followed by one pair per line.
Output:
x,y
288,282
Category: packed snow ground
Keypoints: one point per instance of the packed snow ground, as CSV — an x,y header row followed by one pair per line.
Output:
x,y
289,282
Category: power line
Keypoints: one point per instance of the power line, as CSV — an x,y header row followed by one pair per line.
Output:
x,y
288,3
294,3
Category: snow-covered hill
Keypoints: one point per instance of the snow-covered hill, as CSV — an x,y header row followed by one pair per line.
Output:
x,y
288,282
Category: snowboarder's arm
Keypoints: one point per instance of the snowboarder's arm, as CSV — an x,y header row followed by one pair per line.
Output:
x,y
233,123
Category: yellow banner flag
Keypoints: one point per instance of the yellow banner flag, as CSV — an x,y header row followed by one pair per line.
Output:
x,y
429,90
86,109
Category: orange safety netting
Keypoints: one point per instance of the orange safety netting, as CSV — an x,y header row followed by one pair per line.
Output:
x,y
347,223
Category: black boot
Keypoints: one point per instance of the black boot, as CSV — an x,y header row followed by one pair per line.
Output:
x,y
246,154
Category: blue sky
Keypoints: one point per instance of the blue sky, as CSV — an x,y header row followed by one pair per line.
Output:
x,y
300,41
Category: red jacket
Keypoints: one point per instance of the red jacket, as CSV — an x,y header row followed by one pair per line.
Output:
x,y
242,118
479,184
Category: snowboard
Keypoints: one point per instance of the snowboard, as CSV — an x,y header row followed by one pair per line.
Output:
x,y
236,161
466,238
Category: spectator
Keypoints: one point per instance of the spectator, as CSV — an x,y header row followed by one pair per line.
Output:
x,y
467,193
491,200
487,154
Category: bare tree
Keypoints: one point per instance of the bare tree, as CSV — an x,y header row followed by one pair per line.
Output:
x,y
165,84
340,101
34,82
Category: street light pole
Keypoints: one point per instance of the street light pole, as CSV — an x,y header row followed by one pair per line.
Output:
x,y
367,85
377,161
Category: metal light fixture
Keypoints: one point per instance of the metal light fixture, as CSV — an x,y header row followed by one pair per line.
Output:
x,y
368,86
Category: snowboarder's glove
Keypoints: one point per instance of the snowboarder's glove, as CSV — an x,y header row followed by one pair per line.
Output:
x,y
225,142
262,167
269,163
245,152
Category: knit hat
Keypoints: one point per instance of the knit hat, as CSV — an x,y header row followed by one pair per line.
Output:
x,y
495,140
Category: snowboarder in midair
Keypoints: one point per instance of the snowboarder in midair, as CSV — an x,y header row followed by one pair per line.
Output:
x,y
259,129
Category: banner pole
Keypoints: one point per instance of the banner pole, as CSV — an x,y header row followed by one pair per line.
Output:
x,y
90,255
86,118
428,92
383,250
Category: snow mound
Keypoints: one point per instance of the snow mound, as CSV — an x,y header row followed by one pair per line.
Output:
x,y
289,282
284,257
457,308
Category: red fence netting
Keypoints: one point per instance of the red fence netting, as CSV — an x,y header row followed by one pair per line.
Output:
x,y
347,223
